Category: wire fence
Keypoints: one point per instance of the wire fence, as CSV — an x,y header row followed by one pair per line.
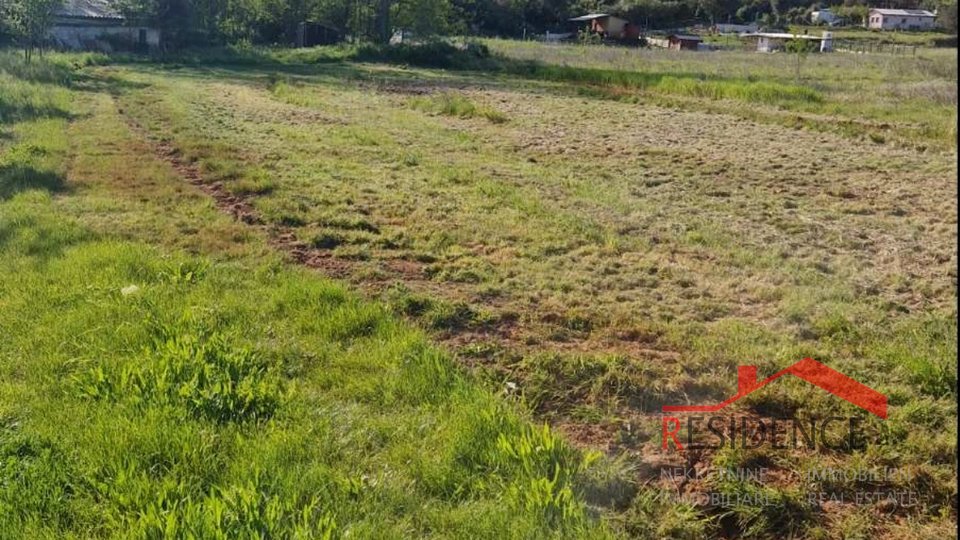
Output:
x,y
866,47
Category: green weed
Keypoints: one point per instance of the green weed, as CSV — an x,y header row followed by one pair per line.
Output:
x,y
194,367
451,104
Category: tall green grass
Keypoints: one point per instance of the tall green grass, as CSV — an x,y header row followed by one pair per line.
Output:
x,y
22,100
451,104
261,402
700,87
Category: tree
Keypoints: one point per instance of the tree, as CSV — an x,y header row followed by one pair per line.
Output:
x,y
31,21
947,16
424,17
240,20
800,48
654,13
6,20
852,14
383,20
176,19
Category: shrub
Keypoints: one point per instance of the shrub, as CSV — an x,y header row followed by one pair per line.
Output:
x,y
436,53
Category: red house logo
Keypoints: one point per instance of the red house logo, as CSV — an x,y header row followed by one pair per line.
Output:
x,y
809,370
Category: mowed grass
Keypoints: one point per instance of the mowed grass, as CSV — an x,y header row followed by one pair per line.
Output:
x,y
910,98
593,258
162,374
905,99
602,257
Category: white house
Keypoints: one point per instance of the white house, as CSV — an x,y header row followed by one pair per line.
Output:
x,y
825,16
901,19
98,25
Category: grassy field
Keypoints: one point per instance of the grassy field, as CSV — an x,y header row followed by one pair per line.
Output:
x,y
163,374
574,235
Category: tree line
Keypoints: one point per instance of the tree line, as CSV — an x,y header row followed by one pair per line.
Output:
x,y
207,22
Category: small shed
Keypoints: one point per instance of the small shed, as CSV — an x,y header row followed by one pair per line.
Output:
x,y
683,42
825,16
776,41
98,25
609,26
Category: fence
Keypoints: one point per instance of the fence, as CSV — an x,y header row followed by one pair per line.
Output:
x,y
844,45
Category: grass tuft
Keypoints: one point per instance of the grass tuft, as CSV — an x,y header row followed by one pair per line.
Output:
x,y
195,367
451,104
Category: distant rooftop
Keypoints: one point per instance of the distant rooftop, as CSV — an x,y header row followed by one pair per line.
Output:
x,y
782,35
89,9
903,12
589,17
